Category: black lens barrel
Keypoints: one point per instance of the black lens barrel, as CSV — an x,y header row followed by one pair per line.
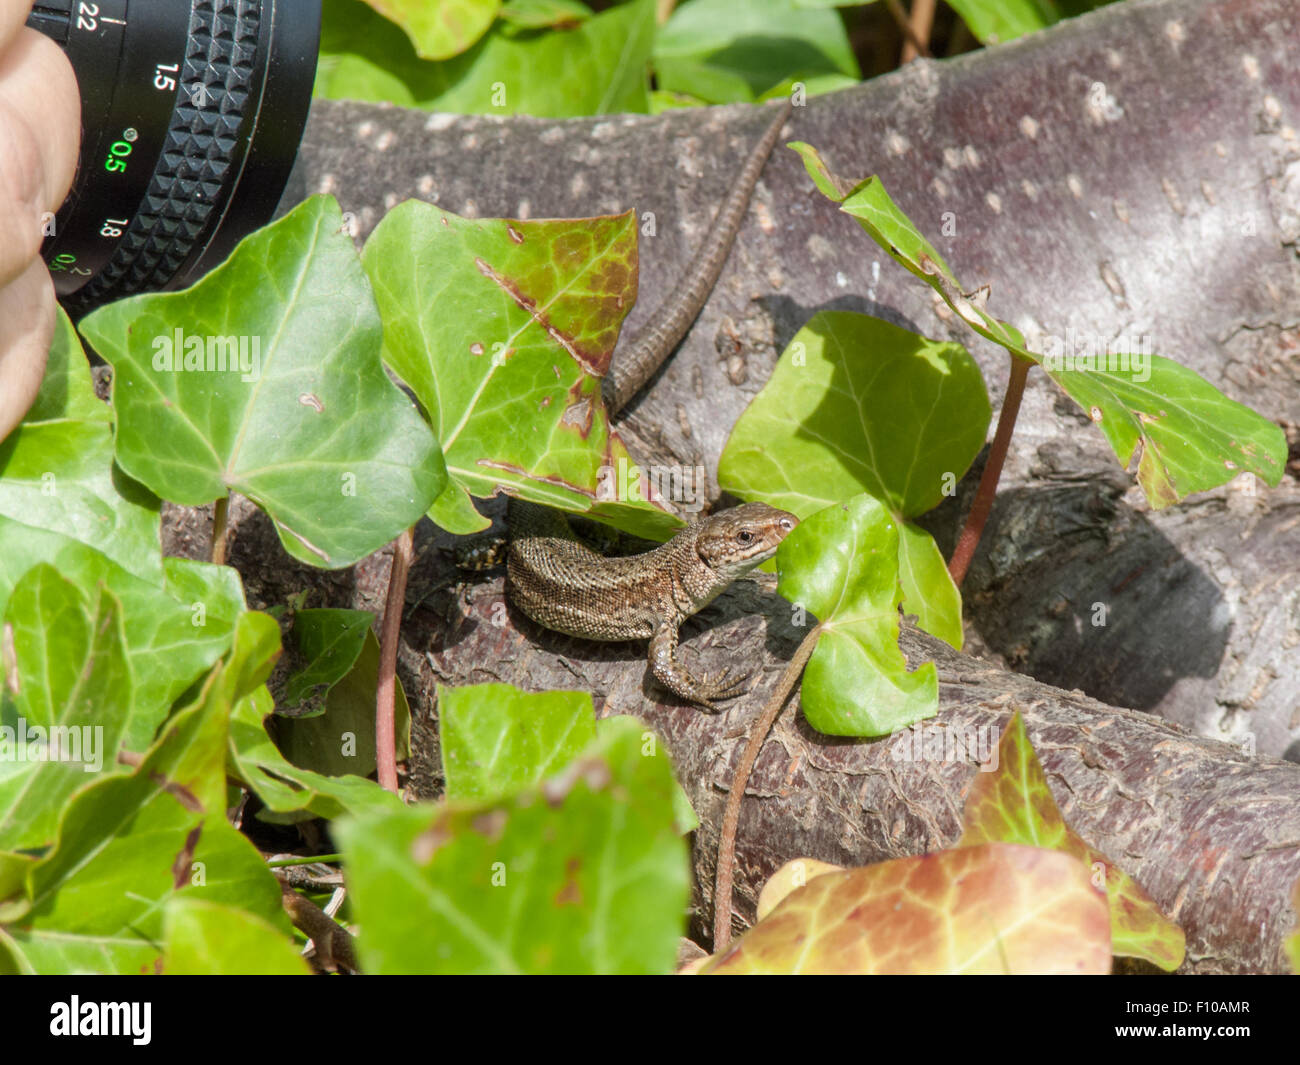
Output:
x,y
192,111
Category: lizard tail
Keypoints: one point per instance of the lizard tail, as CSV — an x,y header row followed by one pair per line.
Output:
x,y
633,368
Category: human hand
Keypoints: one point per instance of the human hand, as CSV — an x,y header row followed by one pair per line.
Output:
x,y
40,134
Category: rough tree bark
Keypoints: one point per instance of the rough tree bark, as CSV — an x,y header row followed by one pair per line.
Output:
x,y
1211,832
1135,172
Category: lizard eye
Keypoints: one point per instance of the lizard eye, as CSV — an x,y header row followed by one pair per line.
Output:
x,y
745,536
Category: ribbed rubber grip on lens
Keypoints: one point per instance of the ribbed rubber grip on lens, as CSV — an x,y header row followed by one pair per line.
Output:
x,y
202,146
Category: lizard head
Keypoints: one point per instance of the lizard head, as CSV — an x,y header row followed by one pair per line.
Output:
x,y
733,542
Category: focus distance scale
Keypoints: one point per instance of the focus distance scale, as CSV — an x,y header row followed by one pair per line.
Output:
x,y
191,114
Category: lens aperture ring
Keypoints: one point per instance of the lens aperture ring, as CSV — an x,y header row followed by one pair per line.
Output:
x,y
205,141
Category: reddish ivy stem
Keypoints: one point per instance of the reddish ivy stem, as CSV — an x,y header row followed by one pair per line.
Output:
x,y
385,729
979,511
724,873
220,516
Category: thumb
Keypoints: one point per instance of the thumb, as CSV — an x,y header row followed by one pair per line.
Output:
x,y
27,308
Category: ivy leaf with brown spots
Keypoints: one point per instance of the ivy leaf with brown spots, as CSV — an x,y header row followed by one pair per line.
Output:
x,y
582,873
503,329
1013,804
996,908
1184,434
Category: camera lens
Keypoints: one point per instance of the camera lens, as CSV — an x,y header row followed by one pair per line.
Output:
x,y
191,114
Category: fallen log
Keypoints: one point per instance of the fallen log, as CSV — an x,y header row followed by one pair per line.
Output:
x,y
1211,832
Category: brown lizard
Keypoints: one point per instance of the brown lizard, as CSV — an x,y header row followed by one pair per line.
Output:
x,y
564,586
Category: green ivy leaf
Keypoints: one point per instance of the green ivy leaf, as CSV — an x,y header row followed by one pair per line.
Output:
x,y
685,819
544,14
308,425
57,472
503,329
598,66
341,740
328,643
289,792
497,740
1187,435
208,939
211,592
1012,803
723,52
929,592
13,875
173,633
819,171
583,874
127,844
993,21
65,674
443,29
899,417
889,227
841,565
998,21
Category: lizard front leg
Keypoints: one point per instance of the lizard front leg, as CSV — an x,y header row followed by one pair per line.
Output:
x,y
673,675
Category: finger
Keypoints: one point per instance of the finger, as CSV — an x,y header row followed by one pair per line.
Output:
x,y
27,311
40,132
13,13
